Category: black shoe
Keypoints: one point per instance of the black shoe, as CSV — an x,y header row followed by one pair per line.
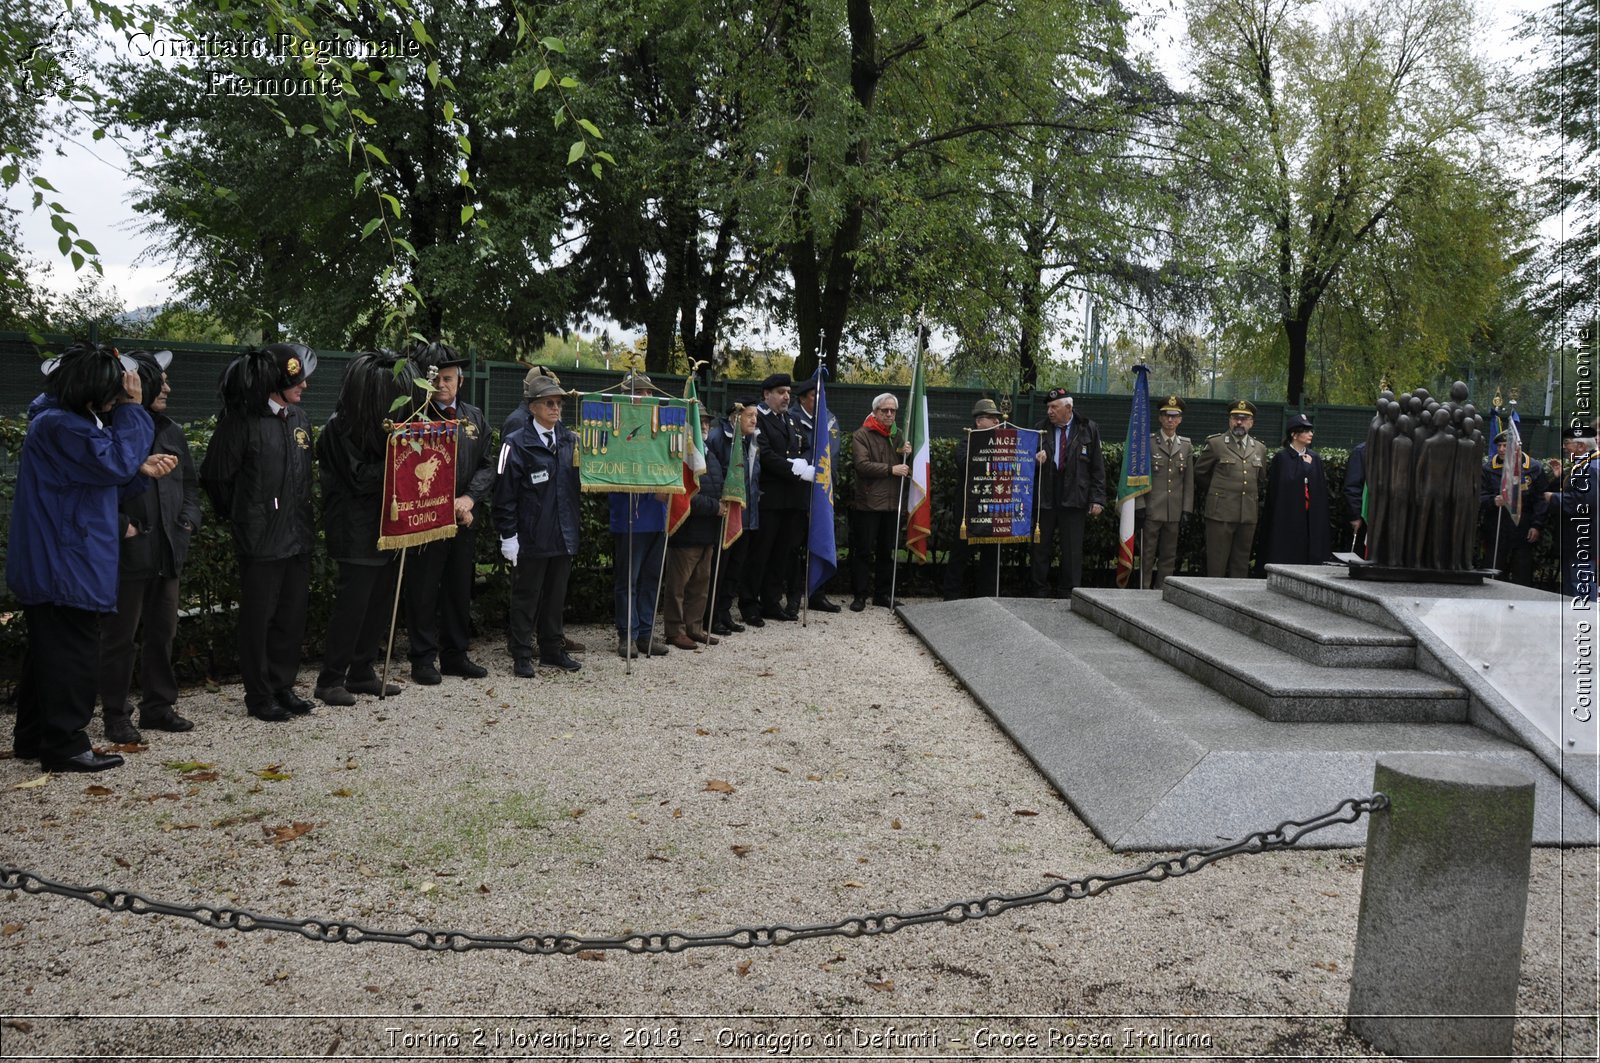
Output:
x,y
731,624
121,732
573,645
464,667
821,604
426,674
562,660
88,760
270,714
754,620
292,703
164,719
857,604
338,696
522,668
722,627
779,614
884,600
372,686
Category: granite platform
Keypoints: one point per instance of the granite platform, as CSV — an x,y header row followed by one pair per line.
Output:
x,y
1154,758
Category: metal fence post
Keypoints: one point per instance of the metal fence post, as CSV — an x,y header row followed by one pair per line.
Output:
x,y
1443,902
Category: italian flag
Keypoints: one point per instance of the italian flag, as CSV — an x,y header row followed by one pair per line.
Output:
x,y
694,460
734,488
919,525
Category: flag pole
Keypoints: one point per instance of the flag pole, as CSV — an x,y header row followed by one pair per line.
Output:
x,y
394,617
716,572
900,495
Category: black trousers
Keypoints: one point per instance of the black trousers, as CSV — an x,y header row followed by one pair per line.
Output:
x,y
438,597
272,625
362,605
55,696
768,565
729,576
987,569
1065,526
153,603
872,548
538,595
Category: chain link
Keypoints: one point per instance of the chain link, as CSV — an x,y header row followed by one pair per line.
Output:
x,y
1283,836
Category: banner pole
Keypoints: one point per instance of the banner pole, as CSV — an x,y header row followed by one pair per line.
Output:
x,y
661,575
716,574
394,617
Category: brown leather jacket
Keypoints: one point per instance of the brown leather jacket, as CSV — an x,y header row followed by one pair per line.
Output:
x,y
873,455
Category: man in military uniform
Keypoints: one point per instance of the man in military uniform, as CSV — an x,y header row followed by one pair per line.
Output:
x,y
257,472
438,586
785,492
1171,494
1576,504
1230,468
803,411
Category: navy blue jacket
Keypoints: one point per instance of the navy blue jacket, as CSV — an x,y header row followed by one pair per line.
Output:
x,y
720,443
537,493
65,528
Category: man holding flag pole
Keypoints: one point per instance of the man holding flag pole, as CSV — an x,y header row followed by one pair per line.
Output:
x,y
1508,479
822,558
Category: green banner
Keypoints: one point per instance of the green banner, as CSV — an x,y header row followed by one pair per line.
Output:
x,y
633,443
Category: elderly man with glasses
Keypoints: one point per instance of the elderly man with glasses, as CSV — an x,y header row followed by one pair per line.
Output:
x,y
1072,487
880,469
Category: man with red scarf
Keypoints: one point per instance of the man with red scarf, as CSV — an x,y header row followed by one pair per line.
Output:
x,y
879,468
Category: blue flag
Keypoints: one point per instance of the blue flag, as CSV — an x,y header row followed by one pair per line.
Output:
x,y
822,557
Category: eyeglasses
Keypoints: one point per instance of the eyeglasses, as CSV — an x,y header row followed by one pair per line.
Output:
x,y
887,409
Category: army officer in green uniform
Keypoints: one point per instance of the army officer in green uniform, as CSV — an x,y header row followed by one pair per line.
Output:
x,y
1171,494
1230,468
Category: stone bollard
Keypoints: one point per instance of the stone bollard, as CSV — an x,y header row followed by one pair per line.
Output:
x,y
1443,901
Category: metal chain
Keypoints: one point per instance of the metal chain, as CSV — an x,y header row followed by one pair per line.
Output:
x,y
1283,836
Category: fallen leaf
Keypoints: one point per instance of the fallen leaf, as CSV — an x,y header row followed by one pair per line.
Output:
x,y
183,767
272,773
591,954
765,673
120,862
743,968
372,989
740,850
852,884
32,783
163,797
232,821
18,1025
885,986
482,888
1331,893
127,747
979,815
780,768
813,777
894,824
9,929
701,731
677,813
719,786
1328,966
577,813
657,857
428,887
771,731
219,943
287,882
1023,812
201,776
97,790
168,828
340,792
279,835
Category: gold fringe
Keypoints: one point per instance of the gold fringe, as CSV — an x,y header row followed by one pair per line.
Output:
x,y
400,542
636,489
1000,539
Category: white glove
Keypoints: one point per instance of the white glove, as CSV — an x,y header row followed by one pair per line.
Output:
x,y
808,473
508,550
797,466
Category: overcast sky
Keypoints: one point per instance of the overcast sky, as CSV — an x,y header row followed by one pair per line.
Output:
x,y
93,183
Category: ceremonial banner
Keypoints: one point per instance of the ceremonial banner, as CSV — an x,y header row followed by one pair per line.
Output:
x,y
632,443
419,485
997,498
919,522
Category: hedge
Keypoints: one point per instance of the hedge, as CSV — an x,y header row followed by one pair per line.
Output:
x,y
205,645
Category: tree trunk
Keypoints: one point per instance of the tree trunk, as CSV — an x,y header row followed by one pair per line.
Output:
x,y
1296,330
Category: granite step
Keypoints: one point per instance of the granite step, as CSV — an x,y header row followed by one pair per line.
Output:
x,y
1275,684
1288,622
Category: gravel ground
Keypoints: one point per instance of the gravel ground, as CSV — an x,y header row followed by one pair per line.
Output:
x,y
789,776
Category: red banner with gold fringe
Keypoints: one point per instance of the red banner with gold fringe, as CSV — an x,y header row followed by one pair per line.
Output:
x,y
419,484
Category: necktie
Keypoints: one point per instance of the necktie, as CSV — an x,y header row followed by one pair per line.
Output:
x,y
1061,446
283,413
549,439
448,413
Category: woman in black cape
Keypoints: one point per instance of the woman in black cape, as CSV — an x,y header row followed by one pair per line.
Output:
x,y
1295,527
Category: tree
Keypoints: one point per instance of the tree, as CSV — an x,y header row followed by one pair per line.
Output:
x,y
1322,140
1561,102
